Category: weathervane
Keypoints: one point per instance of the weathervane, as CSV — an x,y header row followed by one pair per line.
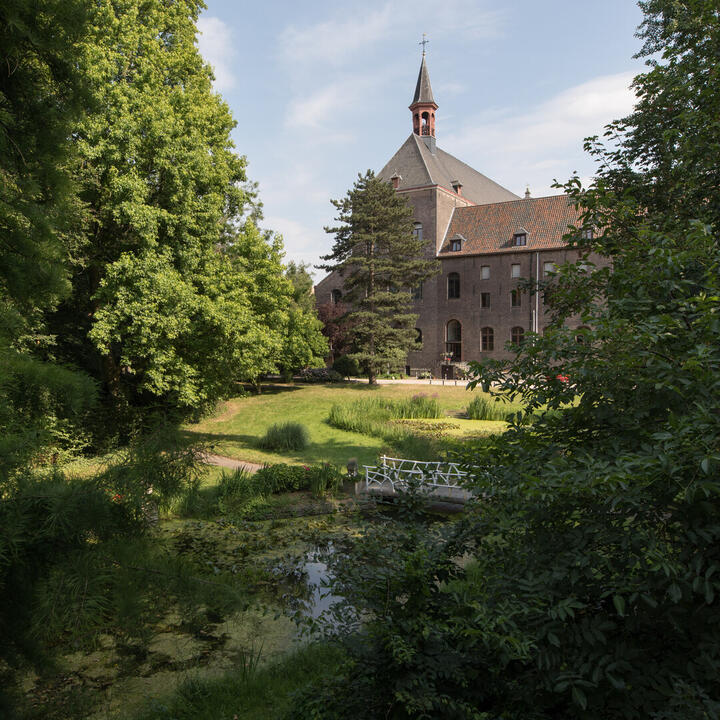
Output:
x,y
424,42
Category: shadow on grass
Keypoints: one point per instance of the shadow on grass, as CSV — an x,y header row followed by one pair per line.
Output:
x,y
331,449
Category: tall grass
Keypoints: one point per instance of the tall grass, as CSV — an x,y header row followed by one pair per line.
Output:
x,y
265,692
285,436
371,416
480,408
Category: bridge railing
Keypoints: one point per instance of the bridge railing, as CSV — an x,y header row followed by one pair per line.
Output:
x,y
396,472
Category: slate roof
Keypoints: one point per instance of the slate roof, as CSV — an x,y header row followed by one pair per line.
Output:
x,y
490,228
423,91
418,166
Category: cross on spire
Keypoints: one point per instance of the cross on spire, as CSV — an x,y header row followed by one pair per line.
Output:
x,y
424,42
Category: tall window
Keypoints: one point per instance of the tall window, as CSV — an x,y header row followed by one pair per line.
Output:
x,y
514,298
418,336
484,300
515,270
549,267
417,292
453,284
336,296
484,272
453,342
517,335
417,231
487,339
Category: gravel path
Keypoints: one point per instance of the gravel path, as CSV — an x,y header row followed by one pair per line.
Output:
x,y
231,463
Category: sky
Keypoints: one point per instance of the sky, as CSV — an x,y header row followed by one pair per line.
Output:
x,y
320,92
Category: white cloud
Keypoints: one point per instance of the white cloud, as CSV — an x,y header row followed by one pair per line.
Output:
x,y
536,144
337,40
216,45
333,40
316,109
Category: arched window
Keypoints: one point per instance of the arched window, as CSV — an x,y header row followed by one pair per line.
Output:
x,y
417,231
453,341
418,337
580,337
487,338
425,124
453,284
336,296
517,335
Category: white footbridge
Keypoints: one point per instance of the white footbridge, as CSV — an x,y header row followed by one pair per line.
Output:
x,y
442,481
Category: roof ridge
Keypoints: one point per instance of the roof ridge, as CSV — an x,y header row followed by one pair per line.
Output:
x,y
422,157
520,199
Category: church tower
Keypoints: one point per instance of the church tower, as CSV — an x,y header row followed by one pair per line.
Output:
x,y
423,106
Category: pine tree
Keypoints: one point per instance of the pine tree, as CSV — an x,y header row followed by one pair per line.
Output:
x,y
380,260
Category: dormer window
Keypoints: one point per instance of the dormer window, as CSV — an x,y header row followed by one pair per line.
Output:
x,y
456,242
520,239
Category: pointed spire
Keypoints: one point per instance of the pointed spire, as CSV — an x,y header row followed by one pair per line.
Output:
x,y
423,91
423,106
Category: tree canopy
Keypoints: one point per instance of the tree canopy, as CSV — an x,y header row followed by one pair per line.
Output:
x,y
135,291
380,261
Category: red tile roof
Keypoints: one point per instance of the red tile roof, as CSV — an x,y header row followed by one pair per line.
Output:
x,y
490,228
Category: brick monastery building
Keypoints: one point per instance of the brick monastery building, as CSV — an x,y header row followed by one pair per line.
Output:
x,y
486,238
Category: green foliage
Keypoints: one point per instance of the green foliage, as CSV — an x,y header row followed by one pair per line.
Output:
x,y
175,293
381,261
77,556
285,436
266,693
480,408
346,366
235,484
324,478
418,406
302,294
240,490
282,478
382,418
372,416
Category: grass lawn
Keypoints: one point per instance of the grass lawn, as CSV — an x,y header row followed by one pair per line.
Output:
x,y
235,429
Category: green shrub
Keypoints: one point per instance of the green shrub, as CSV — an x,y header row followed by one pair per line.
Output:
x,y
235,484
346,366
285,436
480,408
323,479
281,478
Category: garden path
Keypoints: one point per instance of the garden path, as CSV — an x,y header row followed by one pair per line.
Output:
x,y
227,462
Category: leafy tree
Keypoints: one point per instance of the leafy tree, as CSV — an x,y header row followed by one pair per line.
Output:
x,y
73,559
40,98
336,328
288,336
592,592
154,314
380,260
302,282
